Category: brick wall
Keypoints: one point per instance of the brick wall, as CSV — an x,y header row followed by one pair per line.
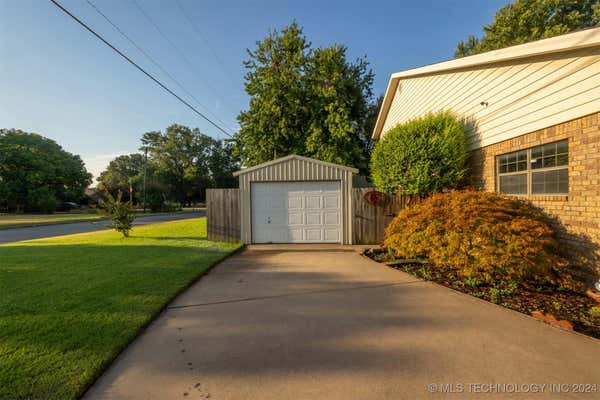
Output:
x,y
577,216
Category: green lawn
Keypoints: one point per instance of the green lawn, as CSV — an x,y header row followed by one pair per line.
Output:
x,y
69,304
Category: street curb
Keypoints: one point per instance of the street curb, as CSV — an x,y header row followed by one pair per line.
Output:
x,y
92,221
5,228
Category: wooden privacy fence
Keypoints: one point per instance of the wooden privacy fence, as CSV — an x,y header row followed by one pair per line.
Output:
x,y
368,225
223,214
371,220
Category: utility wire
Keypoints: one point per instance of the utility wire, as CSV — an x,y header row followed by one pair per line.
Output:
x,y
80,22
153,61
173,45
203,38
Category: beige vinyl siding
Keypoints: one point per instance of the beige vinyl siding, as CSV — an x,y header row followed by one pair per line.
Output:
x,y
296,169
522,95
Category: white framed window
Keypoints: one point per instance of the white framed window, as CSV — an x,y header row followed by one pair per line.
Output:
x,y
540,170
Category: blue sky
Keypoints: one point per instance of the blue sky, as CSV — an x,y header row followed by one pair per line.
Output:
x,y
60,81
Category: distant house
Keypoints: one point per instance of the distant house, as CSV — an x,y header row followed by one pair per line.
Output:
x,y
94,196
532,113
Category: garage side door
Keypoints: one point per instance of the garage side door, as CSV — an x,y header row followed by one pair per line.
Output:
x,y
296,212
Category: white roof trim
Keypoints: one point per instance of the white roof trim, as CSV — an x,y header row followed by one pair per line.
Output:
x,y
296,157
568,42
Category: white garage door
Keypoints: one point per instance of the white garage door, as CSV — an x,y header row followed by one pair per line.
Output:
x,y
296,212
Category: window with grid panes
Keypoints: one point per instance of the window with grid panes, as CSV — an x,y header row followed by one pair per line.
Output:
x,y
539,170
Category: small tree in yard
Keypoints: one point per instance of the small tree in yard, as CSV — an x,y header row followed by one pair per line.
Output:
x,y
425,155
119,212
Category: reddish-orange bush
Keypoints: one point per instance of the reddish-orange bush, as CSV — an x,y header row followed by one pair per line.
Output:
x,y
482,234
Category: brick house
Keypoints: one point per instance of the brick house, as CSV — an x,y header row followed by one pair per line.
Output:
x,y
532,114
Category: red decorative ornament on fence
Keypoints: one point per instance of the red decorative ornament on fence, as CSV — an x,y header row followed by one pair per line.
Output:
x,y
375,198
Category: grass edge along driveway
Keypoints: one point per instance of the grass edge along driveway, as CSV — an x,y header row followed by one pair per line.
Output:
x,y
71,304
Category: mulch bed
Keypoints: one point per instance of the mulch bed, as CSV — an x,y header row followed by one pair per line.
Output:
x,y
562,303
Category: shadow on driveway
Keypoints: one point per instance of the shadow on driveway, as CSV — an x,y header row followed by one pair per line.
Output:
x,y
334,325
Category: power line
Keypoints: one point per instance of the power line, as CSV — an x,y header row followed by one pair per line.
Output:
x,y
203,38
173,45
153,61
139,68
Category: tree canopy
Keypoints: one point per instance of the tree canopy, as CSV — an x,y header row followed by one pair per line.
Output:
x,y
182,163
528,20
122,171
311,102
36,173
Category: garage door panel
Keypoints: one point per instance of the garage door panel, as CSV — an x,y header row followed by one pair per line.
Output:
x,y
295,235
265,237
331,202
332,235
313,218
313,235
295,218
280,220
313,202
294,202
277,201
331,218
296,212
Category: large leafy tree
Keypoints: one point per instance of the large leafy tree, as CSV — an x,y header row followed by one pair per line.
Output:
x,y
527,20
121,172
182,162
338,96
36,173
179,155
312,102
274,124
222,164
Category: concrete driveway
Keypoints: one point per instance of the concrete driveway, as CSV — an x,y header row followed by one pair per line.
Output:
x,y
299,322
9,235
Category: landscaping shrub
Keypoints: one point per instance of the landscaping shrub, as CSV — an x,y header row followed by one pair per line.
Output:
x,y
425,155
485,236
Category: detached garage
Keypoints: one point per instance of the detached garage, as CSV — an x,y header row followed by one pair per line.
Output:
x,y
296,199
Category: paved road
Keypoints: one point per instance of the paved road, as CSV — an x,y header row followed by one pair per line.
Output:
x,y
276,322
37,232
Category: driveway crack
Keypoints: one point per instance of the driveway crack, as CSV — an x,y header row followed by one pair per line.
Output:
x,y
300,293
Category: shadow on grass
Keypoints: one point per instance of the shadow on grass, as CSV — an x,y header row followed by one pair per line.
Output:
x,y
195,238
